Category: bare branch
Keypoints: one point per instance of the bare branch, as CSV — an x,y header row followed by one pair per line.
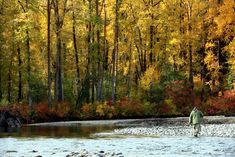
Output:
x,y
65,10
157,3
145,3
102,7
22,6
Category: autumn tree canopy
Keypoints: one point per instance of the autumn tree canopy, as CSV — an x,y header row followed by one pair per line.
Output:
x,y
89,51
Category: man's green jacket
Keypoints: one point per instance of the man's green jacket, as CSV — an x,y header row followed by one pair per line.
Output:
x,y
196,117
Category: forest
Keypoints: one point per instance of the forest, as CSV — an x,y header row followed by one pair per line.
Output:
x,y
105,59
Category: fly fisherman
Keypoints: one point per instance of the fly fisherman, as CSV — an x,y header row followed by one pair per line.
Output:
x,y
195,119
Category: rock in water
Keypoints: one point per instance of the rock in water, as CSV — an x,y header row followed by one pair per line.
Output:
x,y
8,122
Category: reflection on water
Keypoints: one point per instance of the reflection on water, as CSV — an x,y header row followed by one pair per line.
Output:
x,y
81,131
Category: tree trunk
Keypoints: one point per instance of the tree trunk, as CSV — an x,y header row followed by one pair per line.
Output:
x,y
191,82
59,94
9,70
9,74
76,57
115,54
1,56
151,36
1,74
140,47
99,77
28,64
202,65
93,67
151,45
106,49
9,81
28,70
181,30
202,69
0,83
49,52
20,76
87,79
106,54
129,71
141,52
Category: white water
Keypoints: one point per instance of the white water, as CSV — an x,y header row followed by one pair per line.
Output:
x,y
130,147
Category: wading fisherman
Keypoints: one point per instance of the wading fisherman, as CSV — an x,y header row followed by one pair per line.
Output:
x,y
195,119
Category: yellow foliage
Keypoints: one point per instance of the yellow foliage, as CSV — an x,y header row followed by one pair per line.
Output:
x,y
100,110
211,61
220,94
174,41
226,16
150,76
105,110
209,45
125,70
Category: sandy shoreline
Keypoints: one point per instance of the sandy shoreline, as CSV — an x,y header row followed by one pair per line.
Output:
x,y
141,122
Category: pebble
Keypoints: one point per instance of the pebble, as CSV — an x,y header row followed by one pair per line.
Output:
x,y
97,154
208,130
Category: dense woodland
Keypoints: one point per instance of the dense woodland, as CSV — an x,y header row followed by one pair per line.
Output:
x,y
116,58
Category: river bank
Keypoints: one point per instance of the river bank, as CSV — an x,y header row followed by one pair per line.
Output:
x,y
141,122
133,138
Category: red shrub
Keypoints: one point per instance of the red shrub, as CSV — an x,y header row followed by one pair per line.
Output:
x,y
88,111
180,93
62,109
224,104
40,112
130,108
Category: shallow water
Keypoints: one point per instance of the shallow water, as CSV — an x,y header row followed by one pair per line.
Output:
x,y
130,147
59,141
72,131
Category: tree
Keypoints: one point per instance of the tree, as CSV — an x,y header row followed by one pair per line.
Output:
x,y
1,49
115,53
59,19
189,33
99,79
153,43
49,51
20,75
76,53
25,10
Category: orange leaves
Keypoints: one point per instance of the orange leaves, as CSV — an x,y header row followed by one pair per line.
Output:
x,y
41,112
124,108
88,111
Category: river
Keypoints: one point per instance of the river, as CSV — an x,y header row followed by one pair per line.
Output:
x,y
59,141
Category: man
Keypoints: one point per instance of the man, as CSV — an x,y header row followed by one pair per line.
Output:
x,y
195,119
